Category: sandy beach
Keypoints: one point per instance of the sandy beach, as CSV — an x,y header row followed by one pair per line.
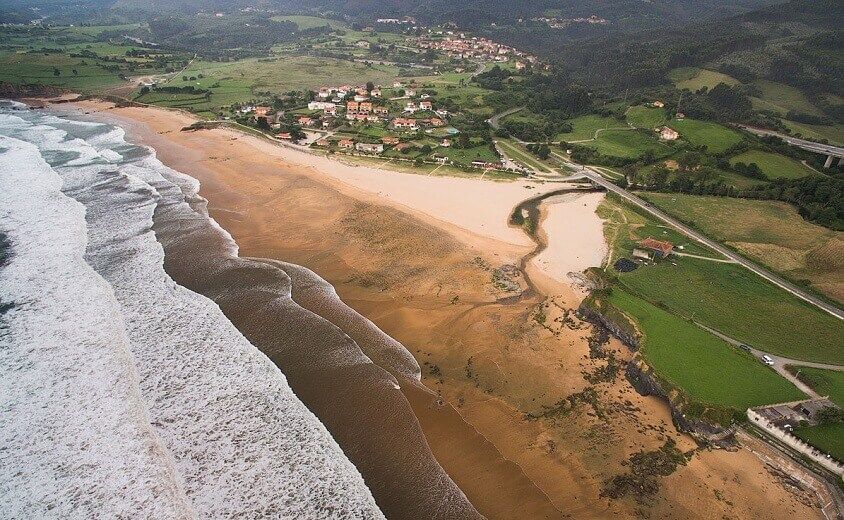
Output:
x,y
430,261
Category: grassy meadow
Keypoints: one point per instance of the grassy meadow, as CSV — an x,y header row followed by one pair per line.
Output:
x,y
716,138
723,296
705,367
773,165
694,79
584,127
769,232
629,143
781,98
824,382
642,116
828,438
833,134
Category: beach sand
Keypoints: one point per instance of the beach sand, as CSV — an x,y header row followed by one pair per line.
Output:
x,y
423,258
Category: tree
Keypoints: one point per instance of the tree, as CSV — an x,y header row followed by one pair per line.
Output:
x,y
370,86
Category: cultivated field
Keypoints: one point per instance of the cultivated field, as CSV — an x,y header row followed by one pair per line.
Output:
x,y
769,232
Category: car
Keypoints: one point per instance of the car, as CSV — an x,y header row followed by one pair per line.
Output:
x,y
744,347
768,360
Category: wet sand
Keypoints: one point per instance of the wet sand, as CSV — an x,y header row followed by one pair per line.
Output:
x,y
496,371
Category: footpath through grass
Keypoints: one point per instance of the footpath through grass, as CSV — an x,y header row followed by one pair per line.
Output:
x,y
705,367
824,382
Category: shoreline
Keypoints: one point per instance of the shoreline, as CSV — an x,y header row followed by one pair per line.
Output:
x,y
411,303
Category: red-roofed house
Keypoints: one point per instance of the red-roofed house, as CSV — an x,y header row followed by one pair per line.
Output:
x,y
660,248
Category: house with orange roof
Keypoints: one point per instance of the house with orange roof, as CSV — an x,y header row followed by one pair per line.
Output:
x,y
659,248
346,143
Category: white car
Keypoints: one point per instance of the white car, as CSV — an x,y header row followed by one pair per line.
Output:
x,y
767,360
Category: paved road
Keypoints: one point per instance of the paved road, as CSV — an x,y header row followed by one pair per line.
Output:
x,y
780,362
825,149
493,121
596,177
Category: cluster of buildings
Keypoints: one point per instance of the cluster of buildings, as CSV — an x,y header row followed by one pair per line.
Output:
x,y
461,46
562,23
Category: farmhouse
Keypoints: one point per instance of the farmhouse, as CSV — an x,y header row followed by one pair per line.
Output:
x,y
659,248
369,148
658,104
426,105
668,134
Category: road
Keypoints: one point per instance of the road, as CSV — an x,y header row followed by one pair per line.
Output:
x,y
780,362
596,177
811,146
493,121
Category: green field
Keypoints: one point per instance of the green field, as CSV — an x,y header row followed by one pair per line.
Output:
x,y
769,232
834,134
723,296
309,22
245,80
467,155
628,144
694,79
773,165
781,98
824,382
715,137
642,116
827,438
40,68
705,367
584,127
740,304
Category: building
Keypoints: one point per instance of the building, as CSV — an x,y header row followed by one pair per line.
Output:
x,y
401,122
403,146
681,116
437,122
520,65
426,105
445,143
262,111
376,92
390,140
410,92
811,409
365,107
659,248
381,111
370,147
352,106
346,143
305,121
411,107
321,105
668,134
322,142
285,135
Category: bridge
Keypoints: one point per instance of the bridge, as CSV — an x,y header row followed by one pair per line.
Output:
x,y
831,152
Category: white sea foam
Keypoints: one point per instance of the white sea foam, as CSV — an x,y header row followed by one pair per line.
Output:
x,y
241,443
76,441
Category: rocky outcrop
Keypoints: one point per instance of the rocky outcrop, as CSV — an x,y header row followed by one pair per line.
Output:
x,y
641,376
596,317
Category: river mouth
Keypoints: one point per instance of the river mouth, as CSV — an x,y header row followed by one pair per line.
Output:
x,y
527,216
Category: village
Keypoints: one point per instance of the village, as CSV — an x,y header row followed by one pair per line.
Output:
x,y
401,121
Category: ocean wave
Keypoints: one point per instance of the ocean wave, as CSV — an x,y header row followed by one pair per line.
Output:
x,y
240,442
